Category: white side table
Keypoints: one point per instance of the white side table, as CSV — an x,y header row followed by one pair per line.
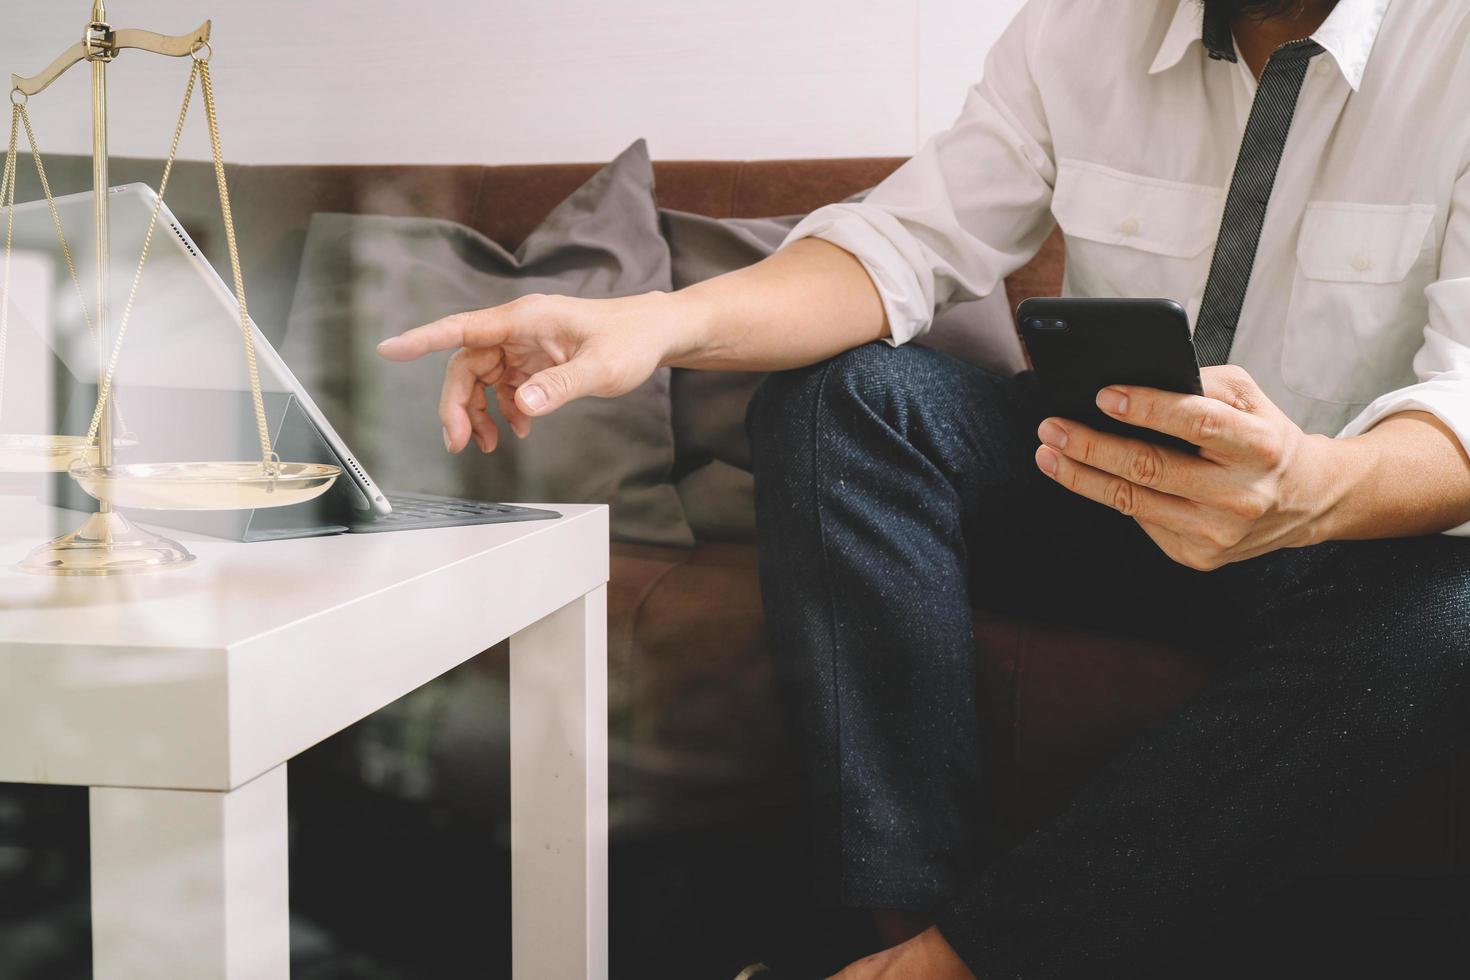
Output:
x,y
179,697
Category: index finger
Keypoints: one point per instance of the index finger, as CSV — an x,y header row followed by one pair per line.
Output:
x,y
475,328
1206,422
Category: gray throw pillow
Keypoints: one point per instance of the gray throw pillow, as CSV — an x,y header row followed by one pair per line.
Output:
x,y
368,277
715,483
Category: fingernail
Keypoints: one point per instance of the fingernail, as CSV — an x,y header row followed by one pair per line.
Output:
x,y
1112,402
1047,460
446,440
534,397
1053,434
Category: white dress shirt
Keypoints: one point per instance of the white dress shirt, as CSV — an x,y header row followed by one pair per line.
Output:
x,y
1108,118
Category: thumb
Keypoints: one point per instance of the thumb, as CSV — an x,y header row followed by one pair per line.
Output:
x,y
546,391
1234,386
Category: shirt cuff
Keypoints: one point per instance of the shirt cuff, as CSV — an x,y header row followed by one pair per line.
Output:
x,y
877,240
1447,398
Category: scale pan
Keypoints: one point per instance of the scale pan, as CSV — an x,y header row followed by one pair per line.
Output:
x,y
205,486
43,454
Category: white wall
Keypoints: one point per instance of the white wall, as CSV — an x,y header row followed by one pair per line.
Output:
x,y
496,81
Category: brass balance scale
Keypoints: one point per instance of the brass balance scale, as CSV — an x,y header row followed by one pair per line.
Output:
x,y
108,543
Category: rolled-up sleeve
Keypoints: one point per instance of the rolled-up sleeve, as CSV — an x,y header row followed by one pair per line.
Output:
x,y
970,208
1442,364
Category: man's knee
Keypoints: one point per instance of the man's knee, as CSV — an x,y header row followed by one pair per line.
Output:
x,y
1421,621
1443,611
876,376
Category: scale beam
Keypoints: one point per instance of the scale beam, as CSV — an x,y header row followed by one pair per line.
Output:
x,y
105,45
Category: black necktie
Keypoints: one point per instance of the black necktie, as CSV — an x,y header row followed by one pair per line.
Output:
x,y
1250,192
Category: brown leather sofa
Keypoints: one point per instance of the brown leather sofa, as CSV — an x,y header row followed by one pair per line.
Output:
x,y
696,725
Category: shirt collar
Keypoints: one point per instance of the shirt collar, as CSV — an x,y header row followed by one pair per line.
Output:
x,y
1347,34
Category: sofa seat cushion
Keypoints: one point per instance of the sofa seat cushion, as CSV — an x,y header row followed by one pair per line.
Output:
x,y
1058,702
699,737
696,735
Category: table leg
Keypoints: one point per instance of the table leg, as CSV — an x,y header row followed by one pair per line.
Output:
x,y
558,794
191,884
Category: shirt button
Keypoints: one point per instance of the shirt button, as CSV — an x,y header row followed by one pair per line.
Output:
x,y
1130,227
1324,65
1362,263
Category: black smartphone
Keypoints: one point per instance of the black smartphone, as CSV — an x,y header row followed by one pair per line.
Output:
x,y
1080,346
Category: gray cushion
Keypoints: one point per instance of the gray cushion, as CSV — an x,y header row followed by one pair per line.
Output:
x,y
367,277
709,406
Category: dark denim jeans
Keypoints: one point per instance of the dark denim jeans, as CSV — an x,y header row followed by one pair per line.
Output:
x,y
894,487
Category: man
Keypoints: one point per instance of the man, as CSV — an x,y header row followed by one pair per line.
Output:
x,y
1295,173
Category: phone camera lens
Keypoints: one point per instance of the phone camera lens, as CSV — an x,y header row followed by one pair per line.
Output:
x,y
1037,324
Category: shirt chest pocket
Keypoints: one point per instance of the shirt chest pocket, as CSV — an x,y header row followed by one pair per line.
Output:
x,y
1357,309
1132,235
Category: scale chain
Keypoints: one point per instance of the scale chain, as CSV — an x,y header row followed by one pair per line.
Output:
x,y
7,199
71,267
269,459
105,392
20,116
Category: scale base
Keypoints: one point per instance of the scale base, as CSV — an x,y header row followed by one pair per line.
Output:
x,y
106,544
